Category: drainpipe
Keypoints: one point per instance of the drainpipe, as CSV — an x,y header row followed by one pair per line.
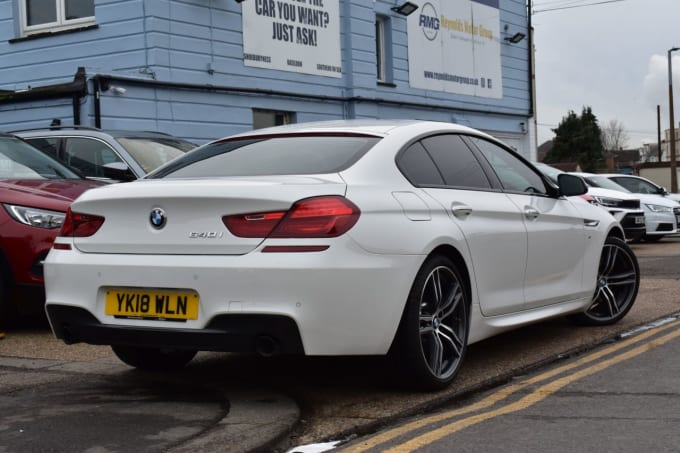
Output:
x,y
97,102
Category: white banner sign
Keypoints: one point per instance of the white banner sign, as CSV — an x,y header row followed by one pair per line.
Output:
x,y
454,46
293,35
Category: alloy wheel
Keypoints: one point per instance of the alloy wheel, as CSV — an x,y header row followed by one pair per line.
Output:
x,y
443,322
617,283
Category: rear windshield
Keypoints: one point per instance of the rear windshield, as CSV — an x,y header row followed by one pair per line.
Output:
x,y
271,155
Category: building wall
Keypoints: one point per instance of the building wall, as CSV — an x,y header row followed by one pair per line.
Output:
x,y
197,45
660,174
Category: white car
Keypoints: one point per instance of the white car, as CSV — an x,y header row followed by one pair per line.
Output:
x,y
638,184
624,206
661,213
407,238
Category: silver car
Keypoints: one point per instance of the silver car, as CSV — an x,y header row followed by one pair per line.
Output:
x,y
107,154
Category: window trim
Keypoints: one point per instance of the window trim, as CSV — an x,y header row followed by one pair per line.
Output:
x,y
60,24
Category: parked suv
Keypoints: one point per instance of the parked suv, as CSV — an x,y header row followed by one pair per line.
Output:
x,y
107,154
35,193
661,213
625,207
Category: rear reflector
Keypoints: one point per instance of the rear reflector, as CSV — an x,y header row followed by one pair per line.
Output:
x,y
80,225
294,248
318,217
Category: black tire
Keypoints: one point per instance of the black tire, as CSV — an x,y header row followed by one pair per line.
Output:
x,y
4,310
618,281
7,307
432,339
153,359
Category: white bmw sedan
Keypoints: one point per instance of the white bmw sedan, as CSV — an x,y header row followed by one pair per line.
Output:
x,y
408,238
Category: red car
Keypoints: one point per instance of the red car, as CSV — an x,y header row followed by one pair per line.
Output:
x,y
35,192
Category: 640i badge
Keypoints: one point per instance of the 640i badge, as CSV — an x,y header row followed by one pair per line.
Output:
x,y
205,235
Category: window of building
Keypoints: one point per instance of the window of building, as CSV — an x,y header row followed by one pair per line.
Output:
x,y
380,48
54,15
270,118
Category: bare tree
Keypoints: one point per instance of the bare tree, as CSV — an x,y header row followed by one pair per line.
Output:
x,y
614,136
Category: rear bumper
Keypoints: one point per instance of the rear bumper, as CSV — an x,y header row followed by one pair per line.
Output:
x,y
343,301
227,333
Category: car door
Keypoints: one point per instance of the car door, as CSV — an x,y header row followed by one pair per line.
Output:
x,y
446,169
556,229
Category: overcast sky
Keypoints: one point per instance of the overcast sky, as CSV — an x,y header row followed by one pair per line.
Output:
x,y
612,57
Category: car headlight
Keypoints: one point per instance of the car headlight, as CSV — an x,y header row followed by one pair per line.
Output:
x,y
658,208
605,201
41,218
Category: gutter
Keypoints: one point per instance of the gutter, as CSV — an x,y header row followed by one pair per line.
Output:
x,y
102,83
76,89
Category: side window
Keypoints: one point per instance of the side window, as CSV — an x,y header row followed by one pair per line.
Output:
x,y
635,185
48,145
418,167
456,162
515,175
630,185
54,15
88,155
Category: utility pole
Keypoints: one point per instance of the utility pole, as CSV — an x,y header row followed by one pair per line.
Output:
x,y
674,174
658,132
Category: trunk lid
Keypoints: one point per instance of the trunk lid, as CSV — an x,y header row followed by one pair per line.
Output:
x,y
193,211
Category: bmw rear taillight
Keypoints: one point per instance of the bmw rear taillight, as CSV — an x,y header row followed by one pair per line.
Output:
x,y
80,225
318,217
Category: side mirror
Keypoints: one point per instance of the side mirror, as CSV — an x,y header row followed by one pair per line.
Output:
x,y
663,191
118,171
571,185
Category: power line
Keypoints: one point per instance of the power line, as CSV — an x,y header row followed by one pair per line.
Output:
x,y
575,6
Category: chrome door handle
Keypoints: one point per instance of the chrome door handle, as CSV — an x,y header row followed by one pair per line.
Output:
x,y
531,213
461,211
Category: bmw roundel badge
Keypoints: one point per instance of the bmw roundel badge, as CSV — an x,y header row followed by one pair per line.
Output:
x,y
157,218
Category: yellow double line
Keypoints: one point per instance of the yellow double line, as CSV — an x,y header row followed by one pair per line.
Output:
x,y
530,399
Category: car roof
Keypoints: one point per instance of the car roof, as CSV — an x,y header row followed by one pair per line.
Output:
x,y
608,175
89,131
358,126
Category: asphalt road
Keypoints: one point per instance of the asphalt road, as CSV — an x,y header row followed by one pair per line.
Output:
x,y
333,398
623,397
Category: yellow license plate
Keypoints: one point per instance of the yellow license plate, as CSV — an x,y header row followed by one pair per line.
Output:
x,y
179,305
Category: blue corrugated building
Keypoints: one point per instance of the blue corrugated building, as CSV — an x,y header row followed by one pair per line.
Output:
x,y
203,69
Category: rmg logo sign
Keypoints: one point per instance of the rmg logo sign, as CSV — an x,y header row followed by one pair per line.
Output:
x,y
429,21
